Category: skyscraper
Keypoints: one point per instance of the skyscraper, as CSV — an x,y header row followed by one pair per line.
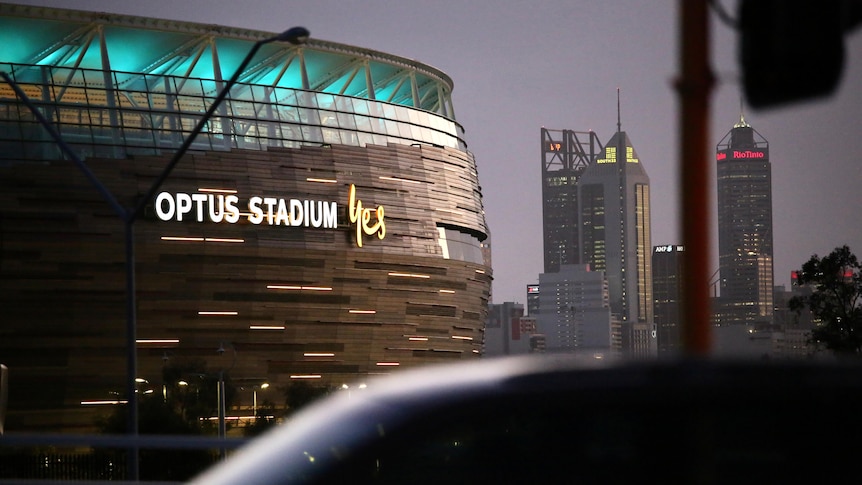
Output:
x,y
565,156
666,273
744,178
615,237
596,211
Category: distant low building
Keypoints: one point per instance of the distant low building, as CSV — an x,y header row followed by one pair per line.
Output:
x,y
574,311
509,332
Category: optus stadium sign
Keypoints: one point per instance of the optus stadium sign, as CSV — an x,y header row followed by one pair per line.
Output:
x,y
272,211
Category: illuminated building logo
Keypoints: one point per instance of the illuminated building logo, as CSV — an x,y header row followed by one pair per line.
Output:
x,y
748,154
362,218
741,154
261,210
670,248
270,211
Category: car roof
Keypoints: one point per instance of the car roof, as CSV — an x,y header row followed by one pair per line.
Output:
x,y
552,393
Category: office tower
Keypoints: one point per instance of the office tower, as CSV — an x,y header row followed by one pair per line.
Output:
x,y
744,178
565,156
574,310
615,237
666,278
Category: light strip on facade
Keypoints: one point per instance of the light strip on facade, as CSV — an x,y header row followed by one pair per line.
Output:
x,y
480,271
294,287
323,181
388,364
410,275
461,337
202,239
237,418
217,191
418,339
180,238
104,402
447,291
283,287
145,341
365,312
318,354
266,327
218,313
305,376
399,179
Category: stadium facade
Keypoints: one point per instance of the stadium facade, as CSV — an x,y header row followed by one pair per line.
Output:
x,y
327,225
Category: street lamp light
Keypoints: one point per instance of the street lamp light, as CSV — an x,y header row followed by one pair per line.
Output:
x,y
254,402
295,36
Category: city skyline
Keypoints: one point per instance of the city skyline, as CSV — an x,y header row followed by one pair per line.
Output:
x,y
518,68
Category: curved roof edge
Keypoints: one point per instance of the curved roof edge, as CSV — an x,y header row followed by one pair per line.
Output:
x,y
131,21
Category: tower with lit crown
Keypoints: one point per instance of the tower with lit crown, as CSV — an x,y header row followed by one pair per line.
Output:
x,y
596,212
615,234
744,181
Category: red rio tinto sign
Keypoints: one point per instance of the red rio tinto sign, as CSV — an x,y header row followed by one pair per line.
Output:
x,y
740,155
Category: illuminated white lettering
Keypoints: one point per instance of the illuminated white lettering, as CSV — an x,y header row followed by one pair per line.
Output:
x,y
276,211
256,213
296,214
330,215
269,202
216,215
184,205
281,216
316,214
199,200
232,215
161,199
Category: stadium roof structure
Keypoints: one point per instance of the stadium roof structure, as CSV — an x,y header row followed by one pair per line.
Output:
x,y
134,48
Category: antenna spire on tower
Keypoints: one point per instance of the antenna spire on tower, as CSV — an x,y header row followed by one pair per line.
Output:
x,y
742,123
619,122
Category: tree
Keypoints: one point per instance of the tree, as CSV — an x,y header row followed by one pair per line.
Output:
x,y
835,300
299,394
181,410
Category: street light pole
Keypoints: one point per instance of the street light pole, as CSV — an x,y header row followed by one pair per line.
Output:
x,y
254,402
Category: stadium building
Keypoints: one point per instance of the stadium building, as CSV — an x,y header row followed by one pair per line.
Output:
x,y
327,224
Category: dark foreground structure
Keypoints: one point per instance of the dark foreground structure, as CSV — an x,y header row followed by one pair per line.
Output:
x,y
327,225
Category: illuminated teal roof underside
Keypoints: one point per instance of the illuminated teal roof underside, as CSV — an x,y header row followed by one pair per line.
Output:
x,y
130,46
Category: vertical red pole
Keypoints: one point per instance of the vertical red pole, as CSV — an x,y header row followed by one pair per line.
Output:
x,y
694,88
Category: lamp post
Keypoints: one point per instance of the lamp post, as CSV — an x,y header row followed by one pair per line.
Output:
x,y
294,35
254,402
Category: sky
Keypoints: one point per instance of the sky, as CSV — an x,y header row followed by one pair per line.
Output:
x,y
520,66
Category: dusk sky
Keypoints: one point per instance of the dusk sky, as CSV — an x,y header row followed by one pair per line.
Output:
x,y
520,66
